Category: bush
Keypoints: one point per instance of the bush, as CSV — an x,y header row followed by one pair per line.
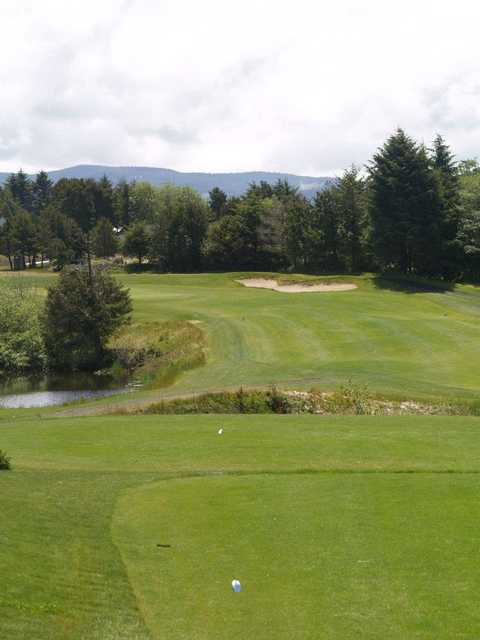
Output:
x,y
5,463
240,401
350,399
21,344
278,402
83,310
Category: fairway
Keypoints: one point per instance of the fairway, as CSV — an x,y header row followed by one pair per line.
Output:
x,y
339,527
398,343
405,343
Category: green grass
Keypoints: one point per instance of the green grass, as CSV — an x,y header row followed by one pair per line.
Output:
x,y
401,344
338,527
318,556
156,353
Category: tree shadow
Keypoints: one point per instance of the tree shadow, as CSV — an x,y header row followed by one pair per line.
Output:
x,y
145,267
411,284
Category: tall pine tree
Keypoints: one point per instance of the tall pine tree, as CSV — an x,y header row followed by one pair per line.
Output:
x,y
446,170
352,215
41,192
406,210
20,188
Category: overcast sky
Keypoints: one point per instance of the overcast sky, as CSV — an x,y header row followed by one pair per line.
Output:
x,y
303,86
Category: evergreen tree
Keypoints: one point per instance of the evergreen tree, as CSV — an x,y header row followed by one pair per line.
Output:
x,y
284,190
405,208
20,188
224,245
136,242
351,221
23,235
75,198
179,226
59,238
143,202
297,221
8,208
104,240
6,242
271,233
103,199
259,190
121,203
41,192
250,209
217,202
469,237
447,174
323,236
83,309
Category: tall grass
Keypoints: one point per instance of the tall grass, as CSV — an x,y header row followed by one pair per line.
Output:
x,y
240,401
349,399
158,352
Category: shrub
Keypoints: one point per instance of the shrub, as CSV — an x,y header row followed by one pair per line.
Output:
x,y
21,344
278,402
83,310
5,462
240,401
356,397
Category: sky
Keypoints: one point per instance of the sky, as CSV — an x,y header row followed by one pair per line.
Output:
x,y
306,87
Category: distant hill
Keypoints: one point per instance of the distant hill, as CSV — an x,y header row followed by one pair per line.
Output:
x,y
234,184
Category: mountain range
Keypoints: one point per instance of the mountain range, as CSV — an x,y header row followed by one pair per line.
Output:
x,y
234,184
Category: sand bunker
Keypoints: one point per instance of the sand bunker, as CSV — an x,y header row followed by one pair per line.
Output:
x,y
300,287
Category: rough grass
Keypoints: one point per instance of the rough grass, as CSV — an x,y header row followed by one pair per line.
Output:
x,y
158,352
339,527
239,401
349,399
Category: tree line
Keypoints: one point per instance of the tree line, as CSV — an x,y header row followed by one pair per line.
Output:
x,y
412,210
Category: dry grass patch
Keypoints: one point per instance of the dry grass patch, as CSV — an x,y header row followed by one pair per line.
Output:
x,y
158,351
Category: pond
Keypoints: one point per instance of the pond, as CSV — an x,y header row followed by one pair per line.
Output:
x,y
45,391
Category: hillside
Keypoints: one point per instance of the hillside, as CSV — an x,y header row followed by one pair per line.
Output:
x,y
233,184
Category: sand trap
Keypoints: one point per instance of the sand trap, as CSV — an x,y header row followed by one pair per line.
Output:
x,y
301,287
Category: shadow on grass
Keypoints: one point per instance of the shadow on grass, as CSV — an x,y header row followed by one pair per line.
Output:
x,y
411,284
146,267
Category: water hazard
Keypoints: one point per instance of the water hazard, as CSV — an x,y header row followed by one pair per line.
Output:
x,y
48,391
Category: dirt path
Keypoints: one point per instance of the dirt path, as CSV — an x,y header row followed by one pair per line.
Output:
x,y
301,287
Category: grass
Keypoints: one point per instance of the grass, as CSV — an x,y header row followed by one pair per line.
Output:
x,y
158,352
318,556
399,343
337,527
402,341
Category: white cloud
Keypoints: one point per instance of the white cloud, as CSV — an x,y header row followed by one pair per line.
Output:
x,y
307,86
